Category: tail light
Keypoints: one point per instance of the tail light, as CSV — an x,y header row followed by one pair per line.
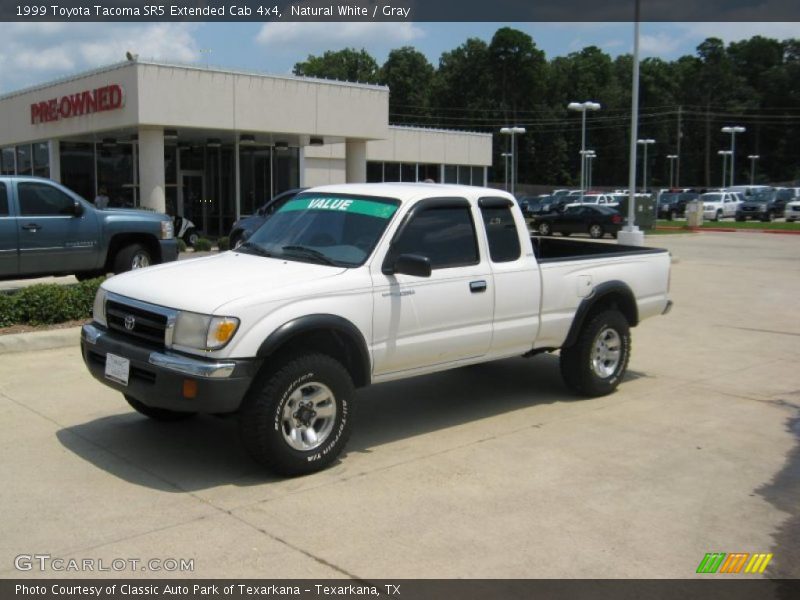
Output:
x,y
616,219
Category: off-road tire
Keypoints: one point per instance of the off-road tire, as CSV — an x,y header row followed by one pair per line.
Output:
x,y
158,414
261,423
577,366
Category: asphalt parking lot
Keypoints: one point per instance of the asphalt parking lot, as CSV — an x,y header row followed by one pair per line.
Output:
x,y
491,471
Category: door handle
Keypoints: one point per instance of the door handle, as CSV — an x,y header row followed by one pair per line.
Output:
x,y
34,227
477,286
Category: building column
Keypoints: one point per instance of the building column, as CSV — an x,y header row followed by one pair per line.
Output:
x,y
151,169
54,157
355,161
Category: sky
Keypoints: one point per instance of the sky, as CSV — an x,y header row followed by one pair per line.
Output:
x,y
34,53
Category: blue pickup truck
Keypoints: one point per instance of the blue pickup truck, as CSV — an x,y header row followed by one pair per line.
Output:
x,y
47,229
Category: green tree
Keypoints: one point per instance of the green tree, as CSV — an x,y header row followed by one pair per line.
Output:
x,y
348,64
409,76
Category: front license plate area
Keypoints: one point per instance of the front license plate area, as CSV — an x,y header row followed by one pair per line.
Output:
x,y
117,368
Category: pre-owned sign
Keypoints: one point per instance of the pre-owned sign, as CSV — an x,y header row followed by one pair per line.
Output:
x,y
100,99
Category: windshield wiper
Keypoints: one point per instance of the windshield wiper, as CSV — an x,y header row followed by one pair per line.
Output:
x,y
255,247
311,253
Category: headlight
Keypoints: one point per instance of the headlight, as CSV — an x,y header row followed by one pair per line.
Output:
x,y
99,307
203,332
167,230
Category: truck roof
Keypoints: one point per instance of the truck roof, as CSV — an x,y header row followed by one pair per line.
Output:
x,y
409,192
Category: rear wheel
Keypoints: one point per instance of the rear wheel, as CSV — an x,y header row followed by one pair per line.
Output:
x,y
595,364
133,256
596,231
158,414
297,419
544,229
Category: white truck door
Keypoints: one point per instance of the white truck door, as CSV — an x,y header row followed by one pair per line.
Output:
x,y
424,321
517,286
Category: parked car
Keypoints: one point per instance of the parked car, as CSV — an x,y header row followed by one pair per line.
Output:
x,y
596,199
792,210
535,205
764,204
673,204
349,285
47,229
593,219
244,227
719,205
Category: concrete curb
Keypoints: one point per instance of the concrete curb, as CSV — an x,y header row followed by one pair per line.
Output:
x,y
730,230
40,340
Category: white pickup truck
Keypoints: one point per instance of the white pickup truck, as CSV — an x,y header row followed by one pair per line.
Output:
x,y
351,285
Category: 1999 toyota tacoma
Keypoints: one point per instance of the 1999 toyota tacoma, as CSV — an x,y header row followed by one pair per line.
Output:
x,y
350,285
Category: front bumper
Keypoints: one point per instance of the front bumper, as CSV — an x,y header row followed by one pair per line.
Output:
x,y
159,378
169,250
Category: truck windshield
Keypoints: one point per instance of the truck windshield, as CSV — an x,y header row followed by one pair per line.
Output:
x,y
333,229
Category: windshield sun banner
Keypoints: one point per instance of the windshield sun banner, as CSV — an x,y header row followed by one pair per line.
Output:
x,y
370,208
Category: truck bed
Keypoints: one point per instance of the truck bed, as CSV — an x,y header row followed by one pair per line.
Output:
x,y
549,249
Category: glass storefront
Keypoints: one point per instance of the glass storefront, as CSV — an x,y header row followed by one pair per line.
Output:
x,y
395,171
199,179
26,159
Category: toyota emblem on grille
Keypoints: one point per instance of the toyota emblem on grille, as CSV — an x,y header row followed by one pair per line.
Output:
x,y
130,322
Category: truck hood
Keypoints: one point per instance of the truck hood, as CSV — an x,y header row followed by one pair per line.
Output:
x,y
204,284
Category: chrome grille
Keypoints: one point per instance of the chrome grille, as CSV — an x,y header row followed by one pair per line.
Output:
x,y
137,320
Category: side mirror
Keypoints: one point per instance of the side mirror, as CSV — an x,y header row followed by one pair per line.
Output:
x,y
77,208
410,264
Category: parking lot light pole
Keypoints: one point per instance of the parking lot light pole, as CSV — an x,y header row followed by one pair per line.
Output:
x,y
753,158
733,130
645,142
672,158
513,131
506,156
582,107
724,154
589,157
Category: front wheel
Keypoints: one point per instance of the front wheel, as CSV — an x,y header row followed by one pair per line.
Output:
x,y
718,216
544,229
191,237
158,414
595,364
134,256
297,418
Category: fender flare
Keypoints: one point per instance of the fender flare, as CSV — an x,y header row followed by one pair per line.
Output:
x,y
346,330
624,297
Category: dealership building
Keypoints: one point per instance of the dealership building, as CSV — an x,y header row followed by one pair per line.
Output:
x,y
214,144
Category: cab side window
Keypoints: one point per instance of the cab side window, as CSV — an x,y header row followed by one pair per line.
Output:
x,y
502,234
42,200
3,200
445,235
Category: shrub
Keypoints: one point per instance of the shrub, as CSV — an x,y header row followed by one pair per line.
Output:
x,y
181,245
46,304
202,245
224,243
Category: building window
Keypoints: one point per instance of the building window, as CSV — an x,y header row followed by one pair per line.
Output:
x,y
24,163
41,160
255,172
374,172
408,172
464,175
428,171
450,174
285,170
77,168
7,161
391,171
115,173
477,176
